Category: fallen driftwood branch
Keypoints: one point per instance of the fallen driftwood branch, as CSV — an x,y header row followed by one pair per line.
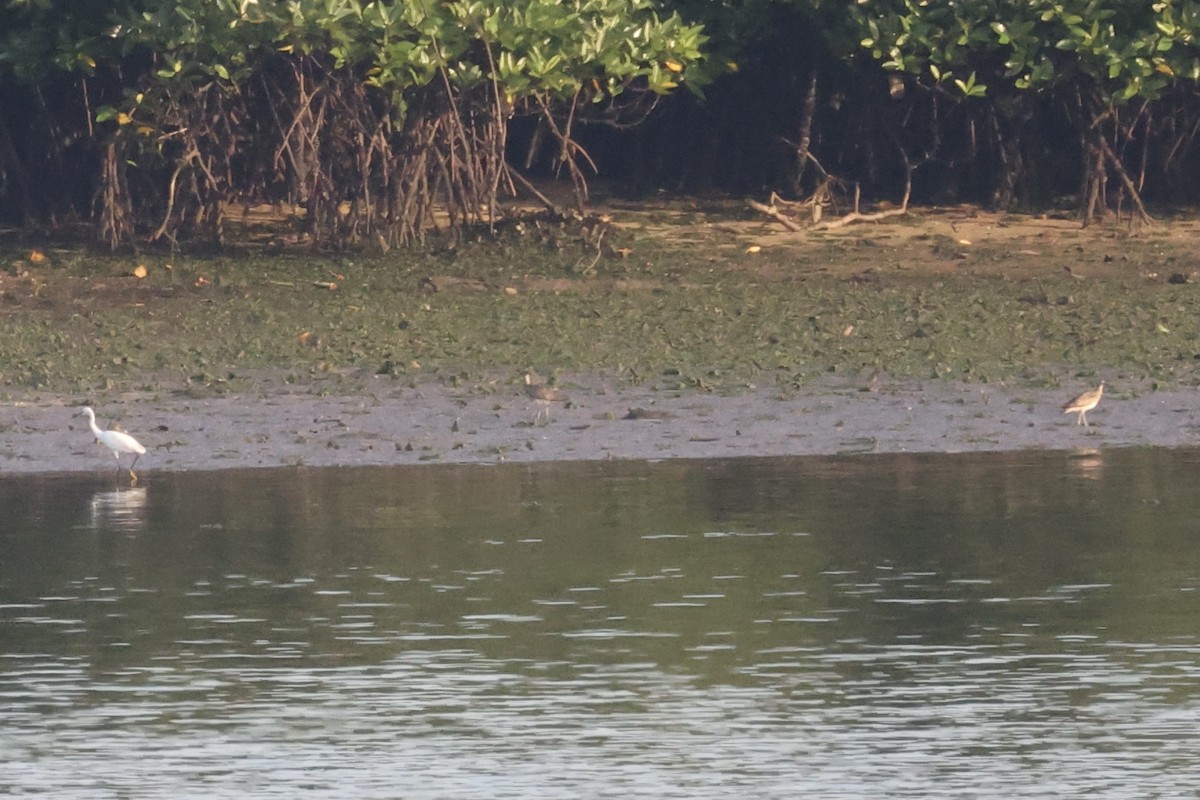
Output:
x,y
828,192
815,205
856,216
774,213
849,218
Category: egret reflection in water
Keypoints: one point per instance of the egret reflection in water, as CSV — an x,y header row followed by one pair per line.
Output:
x,y
118,509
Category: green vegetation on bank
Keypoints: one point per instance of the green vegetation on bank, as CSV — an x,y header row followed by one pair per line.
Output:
x,y
707,316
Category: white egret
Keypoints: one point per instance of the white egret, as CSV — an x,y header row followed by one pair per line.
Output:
x,y
117,441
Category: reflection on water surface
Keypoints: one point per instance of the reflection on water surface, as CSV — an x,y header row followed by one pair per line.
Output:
x,y
961,626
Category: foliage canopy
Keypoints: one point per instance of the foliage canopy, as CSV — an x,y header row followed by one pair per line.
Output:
x,y
368,114
380,119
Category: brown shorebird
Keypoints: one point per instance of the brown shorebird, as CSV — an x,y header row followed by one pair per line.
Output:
x,y
543,395
1084,403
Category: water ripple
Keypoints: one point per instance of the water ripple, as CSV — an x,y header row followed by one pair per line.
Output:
x,y
659,638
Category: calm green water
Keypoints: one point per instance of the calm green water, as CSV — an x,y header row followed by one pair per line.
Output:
x,y
1020,625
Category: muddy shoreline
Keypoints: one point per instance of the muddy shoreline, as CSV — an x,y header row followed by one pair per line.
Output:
x,y
272,424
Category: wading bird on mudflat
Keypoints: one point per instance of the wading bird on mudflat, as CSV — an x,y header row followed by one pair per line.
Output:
x,y
117,441
1084,403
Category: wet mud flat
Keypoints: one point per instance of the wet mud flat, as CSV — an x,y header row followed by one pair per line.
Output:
x,y
272,424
